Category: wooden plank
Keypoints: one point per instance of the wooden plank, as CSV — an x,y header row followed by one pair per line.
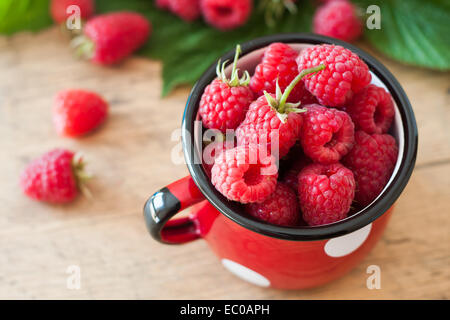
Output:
x,y
131,158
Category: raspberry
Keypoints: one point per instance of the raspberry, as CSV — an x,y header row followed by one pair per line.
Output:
x,y
325,193
338,19
273,122
58,9
109,38
225,102
372,161
327,134
263,126
344,75
372,110
77,112
54,177
226,14
290,177
245,174
280,208
278,64
188,10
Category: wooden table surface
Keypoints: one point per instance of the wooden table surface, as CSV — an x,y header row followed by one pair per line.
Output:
x,y
131,158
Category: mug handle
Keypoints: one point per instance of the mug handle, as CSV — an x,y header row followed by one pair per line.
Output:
x,y
166,203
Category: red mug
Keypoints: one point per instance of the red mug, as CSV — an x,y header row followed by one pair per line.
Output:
x,y
270,255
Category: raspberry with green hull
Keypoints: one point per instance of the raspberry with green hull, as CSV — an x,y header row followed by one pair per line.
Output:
x,y
225,102
278,64
55,177
245,174
372,110
280,208
325,193
345,75
327,134
372,161
272,121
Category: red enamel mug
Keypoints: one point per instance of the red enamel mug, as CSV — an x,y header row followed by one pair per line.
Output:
x,y
264,254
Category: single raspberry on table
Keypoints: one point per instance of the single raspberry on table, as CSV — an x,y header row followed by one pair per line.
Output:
x,y
58,9
338,19
344,75
327,134
272,121
278,64
77,112
372,110
226,14
188,10
280,208
55,177
245,174
372,161
225,102
111,37
325,193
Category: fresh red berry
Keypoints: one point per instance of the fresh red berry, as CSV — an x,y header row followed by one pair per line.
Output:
x,y
344,75
372,161
325,193
372,110
290,177
54,177
278,64
226,14
222,106
111,37
338,19
280,208
263,126
327,134
188,10
245,174
225,102
58,9
77,112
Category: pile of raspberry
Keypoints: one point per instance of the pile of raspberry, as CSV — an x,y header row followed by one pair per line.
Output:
x,y
311,141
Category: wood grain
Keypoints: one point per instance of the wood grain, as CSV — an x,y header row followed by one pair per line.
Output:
x,y
131,158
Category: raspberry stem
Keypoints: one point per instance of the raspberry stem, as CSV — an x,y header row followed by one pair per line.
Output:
x,y
234,80
287,91
84,47
78,167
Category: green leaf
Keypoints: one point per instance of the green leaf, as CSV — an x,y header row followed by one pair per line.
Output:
x,y
21,15
415,32
188,49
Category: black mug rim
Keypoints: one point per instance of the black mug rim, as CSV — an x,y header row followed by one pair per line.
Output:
x,y
350,224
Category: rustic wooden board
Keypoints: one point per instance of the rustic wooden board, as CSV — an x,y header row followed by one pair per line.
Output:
x,y
131,158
